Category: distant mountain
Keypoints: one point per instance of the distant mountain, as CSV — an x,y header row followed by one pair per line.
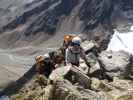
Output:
x,y
24,21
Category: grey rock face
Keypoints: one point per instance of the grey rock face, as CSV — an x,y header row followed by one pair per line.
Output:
x,y
72,74
71,83
48,14
115,63
95,11
90,46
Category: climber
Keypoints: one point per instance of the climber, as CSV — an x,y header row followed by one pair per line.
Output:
x,y
66,42
74,52
57,58
44,65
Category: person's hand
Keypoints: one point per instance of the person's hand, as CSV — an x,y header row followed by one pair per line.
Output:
x,y
56,66
68,64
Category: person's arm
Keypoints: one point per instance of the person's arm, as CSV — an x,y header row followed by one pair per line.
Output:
x,y
67,57
83,56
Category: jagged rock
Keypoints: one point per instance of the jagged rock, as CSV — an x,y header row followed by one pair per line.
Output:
x,y
122,89
95,83
81,78
64,90
68,72
38,93
47,17
87,45
83,66
91,50
94,70
100,85
91,58
121,95
95,66
48,92
115,63
35,88
121,84
59,73
90,46
116,90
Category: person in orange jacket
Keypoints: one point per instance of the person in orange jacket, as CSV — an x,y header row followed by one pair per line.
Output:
x,y
44,65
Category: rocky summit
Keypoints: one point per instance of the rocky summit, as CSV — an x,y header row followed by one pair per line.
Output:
x,y
109,78
33,27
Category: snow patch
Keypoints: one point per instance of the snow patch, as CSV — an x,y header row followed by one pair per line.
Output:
x,y
131,28
122,41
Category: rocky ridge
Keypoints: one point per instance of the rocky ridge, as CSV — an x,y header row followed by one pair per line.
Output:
x,y
42,21
98,83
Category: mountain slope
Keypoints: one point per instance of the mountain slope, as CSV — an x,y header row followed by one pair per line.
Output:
x,y
38,20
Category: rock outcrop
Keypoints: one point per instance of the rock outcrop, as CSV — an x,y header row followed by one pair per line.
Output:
x,y
45,21
116,64
63,89
72,83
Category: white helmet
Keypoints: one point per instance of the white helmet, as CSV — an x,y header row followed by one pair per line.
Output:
x,y
39,58
76,40
46,55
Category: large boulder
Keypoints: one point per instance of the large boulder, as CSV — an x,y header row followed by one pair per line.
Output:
x,y
93,61
83,66
92,49
116,64
73,74
90,46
